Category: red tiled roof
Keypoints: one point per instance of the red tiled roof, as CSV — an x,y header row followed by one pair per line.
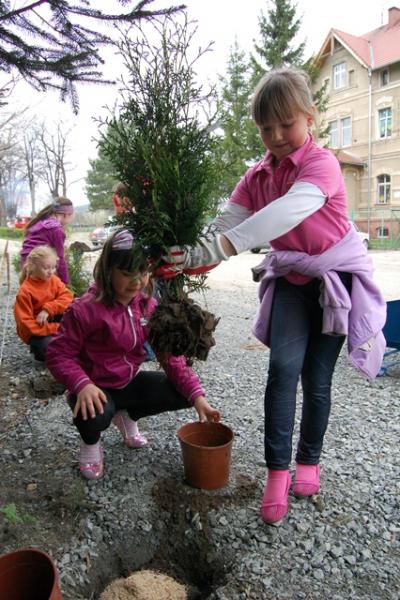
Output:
x,y
346,158
374,49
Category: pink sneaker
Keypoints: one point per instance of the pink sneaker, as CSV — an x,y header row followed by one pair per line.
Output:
x,y
91,461
306,481
274,505
129,429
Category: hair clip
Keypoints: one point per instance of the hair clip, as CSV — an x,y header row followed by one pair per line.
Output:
x,y
122,240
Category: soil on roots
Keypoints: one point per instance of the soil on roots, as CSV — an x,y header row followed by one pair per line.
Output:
x,y
182,327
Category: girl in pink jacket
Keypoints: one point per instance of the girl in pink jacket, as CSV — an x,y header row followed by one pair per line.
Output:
x,y
98,352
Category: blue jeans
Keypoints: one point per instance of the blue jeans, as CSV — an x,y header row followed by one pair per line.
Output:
x,y
298,351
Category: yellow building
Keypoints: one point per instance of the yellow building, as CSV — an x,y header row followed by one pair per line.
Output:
x,y
363,116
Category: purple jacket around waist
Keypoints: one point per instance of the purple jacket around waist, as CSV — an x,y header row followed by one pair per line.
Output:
x,y
360,316
104,345
48,232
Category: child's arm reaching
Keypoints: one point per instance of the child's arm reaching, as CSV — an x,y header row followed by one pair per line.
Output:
x,y
272,221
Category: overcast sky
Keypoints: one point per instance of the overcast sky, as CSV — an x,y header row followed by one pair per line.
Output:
x,y
219,21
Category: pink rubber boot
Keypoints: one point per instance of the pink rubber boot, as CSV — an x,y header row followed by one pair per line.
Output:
x,y
129,429
91,460
306,481
274,505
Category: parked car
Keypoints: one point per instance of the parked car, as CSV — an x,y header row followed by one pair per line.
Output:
x,y
99,236
363,236
20,222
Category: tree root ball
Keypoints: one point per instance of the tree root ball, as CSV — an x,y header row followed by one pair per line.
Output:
x,y
182,327
145,585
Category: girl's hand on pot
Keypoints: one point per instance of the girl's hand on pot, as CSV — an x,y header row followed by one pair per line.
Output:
x,y
89,401
205,411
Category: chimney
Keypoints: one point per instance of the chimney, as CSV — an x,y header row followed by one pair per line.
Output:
x,y
394,16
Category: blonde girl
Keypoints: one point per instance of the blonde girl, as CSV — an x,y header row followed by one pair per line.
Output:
x,y
40,301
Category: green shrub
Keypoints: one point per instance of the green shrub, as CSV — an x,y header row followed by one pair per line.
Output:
x,y
78,272
11,234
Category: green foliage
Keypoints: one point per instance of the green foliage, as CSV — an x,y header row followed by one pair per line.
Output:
x,y
11,234
56,44
240,145
157,143
14,516
79,275
100,180
278,28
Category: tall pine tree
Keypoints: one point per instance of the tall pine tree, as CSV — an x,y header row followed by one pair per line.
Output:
x,y
278,28
240,137
100,180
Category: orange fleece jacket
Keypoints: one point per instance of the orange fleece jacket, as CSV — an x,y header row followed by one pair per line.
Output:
x,y
35,295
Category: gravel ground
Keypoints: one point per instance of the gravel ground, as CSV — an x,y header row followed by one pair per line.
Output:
x,y
342,544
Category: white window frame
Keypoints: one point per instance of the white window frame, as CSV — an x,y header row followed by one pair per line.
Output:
x,y
348,128
340,132
333,134
385,122
383,188
339,75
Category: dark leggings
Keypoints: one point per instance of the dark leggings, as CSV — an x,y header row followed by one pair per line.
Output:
x,y
298,351
38,343
149,393
38,346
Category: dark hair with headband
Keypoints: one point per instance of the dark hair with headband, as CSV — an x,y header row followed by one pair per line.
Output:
x,y
120,251
60,205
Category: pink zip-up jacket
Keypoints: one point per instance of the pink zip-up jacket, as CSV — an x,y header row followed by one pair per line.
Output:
x,y
104,345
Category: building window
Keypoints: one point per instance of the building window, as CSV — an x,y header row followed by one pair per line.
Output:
x,y
346,131
383,189
385,122
382,232
384,77
339,76
340,133
351,77
333,134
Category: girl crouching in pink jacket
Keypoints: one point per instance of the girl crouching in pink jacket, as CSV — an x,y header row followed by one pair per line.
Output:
x,y
98,352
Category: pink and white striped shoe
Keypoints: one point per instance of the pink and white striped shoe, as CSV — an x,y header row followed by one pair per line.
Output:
x,y
129,429
91,461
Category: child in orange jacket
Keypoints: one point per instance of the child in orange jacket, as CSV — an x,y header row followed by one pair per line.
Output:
x,y
41,300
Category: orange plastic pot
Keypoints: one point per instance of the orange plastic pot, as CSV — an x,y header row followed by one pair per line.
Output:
x,y
206,452
28,574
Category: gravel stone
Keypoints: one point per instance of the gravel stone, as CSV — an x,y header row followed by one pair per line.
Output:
x,y
342,544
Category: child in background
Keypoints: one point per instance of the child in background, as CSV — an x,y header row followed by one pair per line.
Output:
x,y
99,350
316,283
41,300
120,199
48,228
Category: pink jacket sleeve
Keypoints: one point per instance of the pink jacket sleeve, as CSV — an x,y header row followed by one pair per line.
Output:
x,y
183,378
63,351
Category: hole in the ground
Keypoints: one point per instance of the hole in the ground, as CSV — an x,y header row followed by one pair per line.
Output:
x,y
184,546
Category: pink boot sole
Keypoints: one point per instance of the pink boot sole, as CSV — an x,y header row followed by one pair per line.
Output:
x,y
274,505
307,480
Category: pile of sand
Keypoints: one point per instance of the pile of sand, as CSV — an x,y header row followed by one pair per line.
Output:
x,y
145,585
